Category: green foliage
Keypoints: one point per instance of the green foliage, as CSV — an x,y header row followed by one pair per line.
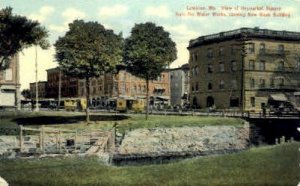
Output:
x,y
149,50
88,49
26,93
18,32
275,165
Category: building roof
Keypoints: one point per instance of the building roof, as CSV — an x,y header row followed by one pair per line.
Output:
x,y
245,33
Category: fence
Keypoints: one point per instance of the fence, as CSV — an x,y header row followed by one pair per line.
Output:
x,y
55,140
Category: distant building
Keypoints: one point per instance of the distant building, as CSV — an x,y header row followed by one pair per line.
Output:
x,y
69,85
242,68
10,85
179,84
124,84
110,86
42,87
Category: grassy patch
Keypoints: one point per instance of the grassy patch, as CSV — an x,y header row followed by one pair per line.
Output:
x,y
71,120
275,165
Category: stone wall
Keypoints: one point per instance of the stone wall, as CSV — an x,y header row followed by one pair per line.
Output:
x,y
184,141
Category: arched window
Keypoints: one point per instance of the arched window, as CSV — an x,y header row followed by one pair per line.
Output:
x,y
209,87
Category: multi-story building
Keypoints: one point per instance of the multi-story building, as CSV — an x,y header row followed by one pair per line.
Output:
x,y
68,85
179,84
109,86
10,85
42,87
242,68
124,84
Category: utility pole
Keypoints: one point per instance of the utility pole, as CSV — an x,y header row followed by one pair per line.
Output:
x,y
36,82
59,89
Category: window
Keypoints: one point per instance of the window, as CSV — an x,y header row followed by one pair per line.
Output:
x,y
221,85
234,84
251,65
233,50
209,53
262,83
281,82
281,65
252,83
280,49
272,83
250,48
262,65
221,51
209,87
197,86
221,65
233,66
210,68
8,74
252,101
298,64
262,48
193,87
234,102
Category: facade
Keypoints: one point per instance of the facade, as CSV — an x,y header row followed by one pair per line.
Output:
x,y
69,85
42,86
242,68
124,84
179,84
10,85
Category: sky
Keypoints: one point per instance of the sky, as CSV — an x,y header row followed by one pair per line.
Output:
x,y
183,19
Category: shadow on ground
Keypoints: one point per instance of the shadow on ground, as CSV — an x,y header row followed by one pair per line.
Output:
x,y
48,120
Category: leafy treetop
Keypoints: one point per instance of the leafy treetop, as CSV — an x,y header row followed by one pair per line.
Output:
x,y
18,32
88,49
149,50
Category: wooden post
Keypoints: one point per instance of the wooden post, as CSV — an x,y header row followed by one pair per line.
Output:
x,y
43,139
21,138
75,140
59,139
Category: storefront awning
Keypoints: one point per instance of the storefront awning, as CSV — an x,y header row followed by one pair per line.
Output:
x,y
296,93
278,97
163,97
159,88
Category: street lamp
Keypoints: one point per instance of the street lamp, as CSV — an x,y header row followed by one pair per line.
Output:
x,y
36,82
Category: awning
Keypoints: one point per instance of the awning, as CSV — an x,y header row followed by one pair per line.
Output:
x,y
296,93
278,97
159,88
163,97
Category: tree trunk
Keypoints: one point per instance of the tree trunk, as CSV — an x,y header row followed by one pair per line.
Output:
x,y
87,110
147,98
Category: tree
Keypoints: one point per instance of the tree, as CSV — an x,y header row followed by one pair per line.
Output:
x,y
18,32
88,50
148,51
26,93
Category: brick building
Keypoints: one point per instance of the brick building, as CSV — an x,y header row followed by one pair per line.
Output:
x,y
109,86
10,85
42,89
179,83
124,84
242,68
69,85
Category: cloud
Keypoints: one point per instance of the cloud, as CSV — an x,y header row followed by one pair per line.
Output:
x,y
161,11
70,14
113,11
43,13
182,32
57,28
